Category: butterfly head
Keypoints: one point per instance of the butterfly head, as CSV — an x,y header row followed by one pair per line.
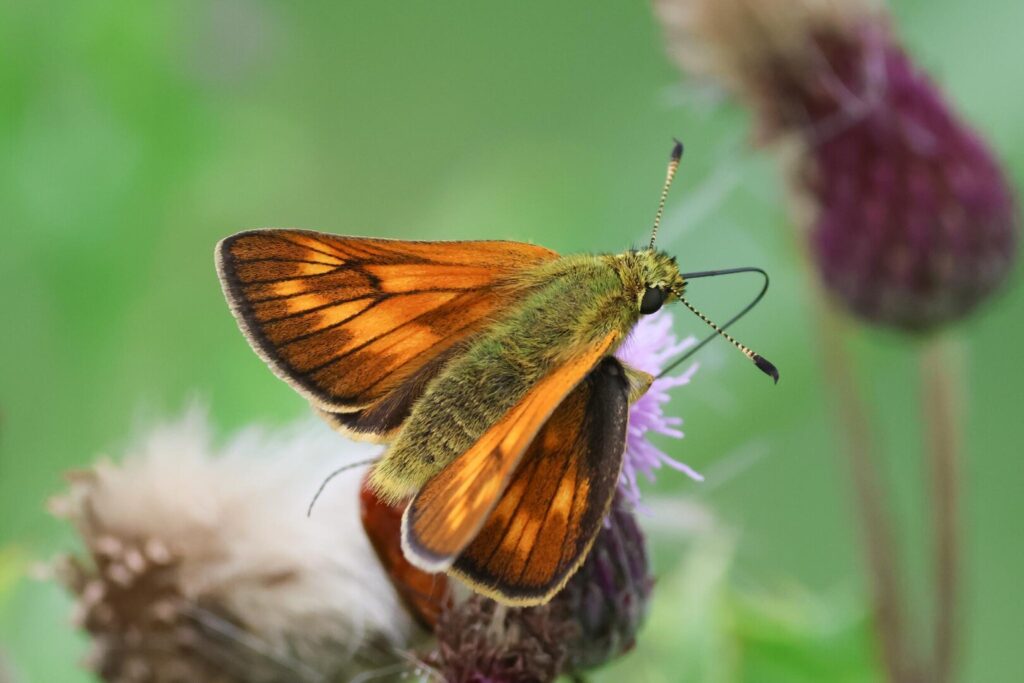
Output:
x,y
655,275
651,278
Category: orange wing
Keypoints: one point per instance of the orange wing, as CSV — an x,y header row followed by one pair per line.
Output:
x,y
359,324
542,529
426,595
451,509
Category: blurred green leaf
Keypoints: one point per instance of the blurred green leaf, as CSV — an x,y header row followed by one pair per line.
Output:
x,y
689,633
13,563
792,636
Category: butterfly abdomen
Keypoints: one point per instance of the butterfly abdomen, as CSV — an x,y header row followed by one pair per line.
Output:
x,y
574,302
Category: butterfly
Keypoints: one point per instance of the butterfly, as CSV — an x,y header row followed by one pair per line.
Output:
x,y
489,368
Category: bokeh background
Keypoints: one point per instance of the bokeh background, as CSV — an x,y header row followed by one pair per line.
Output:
x,y
135,135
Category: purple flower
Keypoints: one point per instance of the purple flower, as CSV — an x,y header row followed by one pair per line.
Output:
x,y
649,348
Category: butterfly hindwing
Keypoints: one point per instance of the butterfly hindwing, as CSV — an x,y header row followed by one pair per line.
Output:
x,y
448,512
348,321
542,528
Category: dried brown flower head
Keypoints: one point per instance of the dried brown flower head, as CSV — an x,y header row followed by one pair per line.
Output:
x,y
203,566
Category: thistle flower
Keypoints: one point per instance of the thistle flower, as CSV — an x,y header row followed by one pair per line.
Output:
x,y
912,222
651,345
202,565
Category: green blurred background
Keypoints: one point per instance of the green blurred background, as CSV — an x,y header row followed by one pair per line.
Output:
x,y
134,135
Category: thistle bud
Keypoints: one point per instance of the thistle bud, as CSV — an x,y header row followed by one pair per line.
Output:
x,y
911,220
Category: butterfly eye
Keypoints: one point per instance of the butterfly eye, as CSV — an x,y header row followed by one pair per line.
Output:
x,y
654,297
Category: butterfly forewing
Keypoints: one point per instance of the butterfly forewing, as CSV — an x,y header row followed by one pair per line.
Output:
x,y
542,528
348,321
449,511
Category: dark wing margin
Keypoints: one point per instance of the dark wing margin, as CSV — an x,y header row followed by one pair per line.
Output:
x,y
347,321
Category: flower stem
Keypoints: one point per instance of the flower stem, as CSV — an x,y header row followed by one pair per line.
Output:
x,y
861,448
941,396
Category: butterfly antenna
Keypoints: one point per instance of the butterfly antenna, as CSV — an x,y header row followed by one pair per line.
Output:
x,y
332,475
673,166
762,363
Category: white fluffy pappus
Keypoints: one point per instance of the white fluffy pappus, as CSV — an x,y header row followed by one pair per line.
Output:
x,y
232,519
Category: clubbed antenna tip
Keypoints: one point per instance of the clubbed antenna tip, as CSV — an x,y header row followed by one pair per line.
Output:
x,y
673,165
677,150
766,367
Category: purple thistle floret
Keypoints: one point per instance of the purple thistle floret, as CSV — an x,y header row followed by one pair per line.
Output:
x,y
650,348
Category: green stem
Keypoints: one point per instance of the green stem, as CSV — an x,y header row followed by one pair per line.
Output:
x,y
941,396
862,449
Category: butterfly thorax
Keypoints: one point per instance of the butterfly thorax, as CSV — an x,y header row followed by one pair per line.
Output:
x,y
565,305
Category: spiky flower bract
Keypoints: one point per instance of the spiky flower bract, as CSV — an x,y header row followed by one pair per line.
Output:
x,y
609,596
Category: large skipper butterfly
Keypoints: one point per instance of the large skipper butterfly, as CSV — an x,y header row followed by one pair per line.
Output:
x,y
488,366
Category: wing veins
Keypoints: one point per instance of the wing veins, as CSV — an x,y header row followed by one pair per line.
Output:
x,y
282,297
511,517
566,552
286,287
336,255
278,259
543,524
362,346
330,327
533,473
